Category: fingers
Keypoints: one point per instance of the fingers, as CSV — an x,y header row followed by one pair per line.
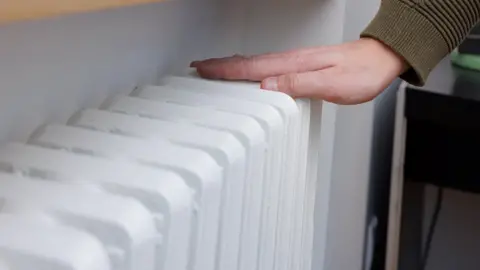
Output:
x,y
212,61
259,67
320,84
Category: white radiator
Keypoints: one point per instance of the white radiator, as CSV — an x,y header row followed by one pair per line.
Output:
x,y
188,175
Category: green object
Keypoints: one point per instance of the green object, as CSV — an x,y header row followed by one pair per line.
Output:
x,y
468,61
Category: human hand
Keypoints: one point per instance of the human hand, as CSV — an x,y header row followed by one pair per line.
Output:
x,y
349,73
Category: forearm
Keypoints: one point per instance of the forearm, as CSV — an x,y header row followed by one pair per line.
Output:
x,y
423,32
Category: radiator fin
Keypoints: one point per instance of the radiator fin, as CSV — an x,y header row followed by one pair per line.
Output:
x,y
190,174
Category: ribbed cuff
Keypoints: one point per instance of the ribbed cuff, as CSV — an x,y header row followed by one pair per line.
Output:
x,y
411,35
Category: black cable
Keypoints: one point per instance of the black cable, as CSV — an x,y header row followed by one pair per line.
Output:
x,y
431,229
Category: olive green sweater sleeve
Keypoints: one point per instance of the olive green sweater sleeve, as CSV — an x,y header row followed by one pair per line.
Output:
x,y
423,32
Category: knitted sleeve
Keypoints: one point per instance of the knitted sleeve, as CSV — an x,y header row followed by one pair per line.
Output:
x,y
423,32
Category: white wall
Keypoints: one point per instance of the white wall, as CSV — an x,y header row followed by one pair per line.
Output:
x,y
351,163
50,68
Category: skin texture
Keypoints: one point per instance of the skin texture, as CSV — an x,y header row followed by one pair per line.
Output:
x,y
348,73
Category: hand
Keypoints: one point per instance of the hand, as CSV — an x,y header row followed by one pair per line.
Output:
x,y
349,73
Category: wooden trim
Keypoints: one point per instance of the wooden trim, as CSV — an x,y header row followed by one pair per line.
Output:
x,y
19,10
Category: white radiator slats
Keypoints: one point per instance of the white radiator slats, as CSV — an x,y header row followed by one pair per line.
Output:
x,y
227,150
162,192
267,117
123,225
27,243
304,216
197,168
296,147
188,175
208,117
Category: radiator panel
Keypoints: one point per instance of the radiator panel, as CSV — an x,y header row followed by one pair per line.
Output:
x,y
124,226
295,123
270,120
227,150
198,169
190,174
160,191
206,116
27,242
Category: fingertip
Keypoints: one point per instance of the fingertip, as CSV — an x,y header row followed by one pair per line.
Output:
x,y
207,73
201,72
270,84
194,64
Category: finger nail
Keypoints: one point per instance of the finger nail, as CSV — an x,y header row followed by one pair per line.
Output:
x,y
270,84
194,63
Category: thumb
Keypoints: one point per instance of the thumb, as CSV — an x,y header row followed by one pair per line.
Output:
x,y
316,84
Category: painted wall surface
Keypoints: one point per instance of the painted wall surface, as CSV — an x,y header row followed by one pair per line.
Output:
x,y
50,68
351,181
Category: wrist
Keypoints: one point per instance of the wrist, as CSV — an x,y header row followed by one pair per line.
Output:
x,y
389,57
